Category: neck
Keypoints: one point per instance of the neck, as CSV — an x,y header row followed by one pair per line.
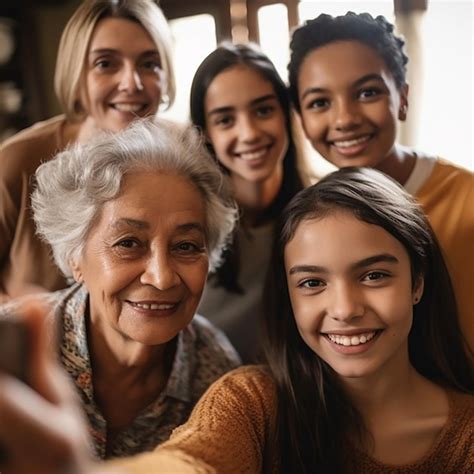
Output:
x,y
399,165
122,359
255,197
87,129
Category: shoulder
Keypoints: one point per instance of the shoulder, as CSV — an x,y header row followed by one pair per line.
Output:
x,y
28,148
462,405
448,173
212,344
253,379
459,441
249,386
244,395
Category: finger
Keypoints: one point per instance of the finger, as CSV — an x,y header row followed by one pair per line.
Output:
x,y
29,424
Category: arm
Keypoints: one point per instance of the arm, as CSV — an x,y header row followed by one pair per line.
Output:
x,y
227,430
41,430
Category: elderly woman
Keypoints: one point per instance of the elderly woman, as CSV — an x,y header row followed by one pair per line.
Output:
x,y
137,219
113,65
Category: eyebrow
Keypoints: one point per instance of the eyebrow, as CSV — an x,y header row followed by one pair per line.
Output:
x,y
357,83
254,102
126,222
98,51
365,262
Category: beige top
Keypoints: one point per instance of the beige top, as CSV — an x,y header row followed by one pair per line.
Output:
x,y
229,428
24,259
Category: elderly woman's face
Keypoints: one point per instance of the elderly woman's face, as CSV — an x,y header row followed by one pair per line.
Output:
x,y
124,79
145,261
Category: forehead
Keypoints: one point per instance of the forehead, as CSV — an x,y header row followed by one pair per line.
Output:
x,y
341,61
339,240
238,84
157,199
120,33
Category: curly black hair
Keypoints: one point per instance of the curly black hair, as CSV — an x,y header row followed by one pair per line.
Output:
x,y
376,33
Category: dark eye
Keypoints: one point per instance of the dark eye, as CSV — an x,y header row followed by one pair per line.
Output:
x,y
102,64
264,111
127,244
189,248
224,121
151,64
319,103
375,276
311,283
369,93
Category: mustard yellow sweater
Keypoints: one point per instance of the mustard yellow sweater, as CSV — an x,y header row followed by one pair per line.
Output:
x,y
447,198
229,428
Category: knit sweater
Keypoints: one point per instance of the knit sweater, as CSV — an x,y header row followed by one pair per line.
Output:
x,y
230,426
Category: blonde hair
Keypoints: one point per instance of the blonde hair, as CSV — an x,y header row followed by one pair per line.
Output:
x,y
76,37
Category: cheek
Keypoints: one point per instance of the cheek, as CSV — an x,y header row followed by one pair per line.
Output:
x,y
195,278
305,312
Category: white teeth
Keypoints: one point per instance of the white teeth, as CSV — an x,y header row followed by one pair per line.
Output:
x,y
351,340
349,143
153,306
128,107
254,155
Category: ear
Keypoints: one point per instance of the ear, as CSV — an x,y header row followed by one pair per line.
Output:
x,y
76,270
403,108
418,289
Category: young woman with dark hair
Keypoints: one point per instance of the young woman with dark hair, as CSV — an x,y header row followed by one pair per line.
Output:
x,y
366,371
348,83
242,106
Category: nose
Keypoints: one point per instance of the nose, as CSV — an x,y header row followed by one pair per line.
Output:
x,y
346,303
130,80
159,272
248,129
347,115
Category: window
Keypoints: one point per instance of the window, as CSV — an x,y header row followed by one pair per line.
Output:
x,y
195,38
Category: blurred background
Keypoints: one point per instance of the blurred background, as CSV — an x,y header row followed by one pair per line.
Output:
x,y
439,37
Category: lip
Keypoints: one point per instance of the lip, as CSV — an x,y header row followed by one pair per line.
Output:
x,y
352,350
352,145
254,156
155,308
133,108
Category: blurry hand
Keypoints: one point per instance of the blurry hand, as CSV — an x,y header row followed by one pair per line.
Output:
x,y
41,427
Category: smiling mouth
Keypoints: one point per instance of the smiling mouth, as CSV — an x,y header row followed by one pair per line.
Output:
x,y
351,143
153,306
129,108
253,155
353,340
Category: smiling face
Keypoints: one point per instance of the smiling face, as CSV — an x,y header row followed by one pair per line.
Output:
x,y
123,75
145,261
245,124
351,292
350,105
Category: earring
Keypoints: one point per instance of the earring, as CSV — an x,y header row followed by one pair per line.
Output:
x,y
416,299
402,113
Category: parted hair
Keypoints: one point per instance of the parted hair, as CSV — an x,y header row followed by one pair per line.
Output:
x,y
377,33
76,37
315,417
71,189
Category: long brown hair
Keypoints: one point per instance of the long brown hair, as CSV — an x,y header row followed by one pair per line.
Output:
x,y
315,420
223,57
